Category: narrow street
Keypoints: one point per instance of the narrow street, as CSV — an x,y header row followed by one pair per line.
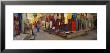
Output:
x,y
47,36
91,35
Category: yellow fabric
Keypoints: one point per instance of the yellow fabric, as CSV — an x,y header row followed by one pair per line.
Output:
x,y
35,19
69,15
65,19
78,16
47,24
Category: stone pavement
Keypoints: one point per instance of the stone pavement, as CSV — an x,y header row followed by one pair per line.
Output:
x,y
91,35
47,36
20,37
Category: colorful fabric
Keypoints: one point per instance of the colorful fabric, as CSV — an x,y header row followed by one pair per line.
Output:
x,y
59,17
69,15
77,25
69,25
65,28
50,24
74,15
55,17
47,18
47,24
65,19
73,25
78,16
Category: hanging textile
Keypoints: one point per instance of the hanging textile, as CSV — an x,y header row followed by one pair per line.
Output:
x,y
47,25
16,25
74,15
55,17
73,25
78,22
50,24
65,19
59,16
62,26
65,28
20,21
57,24
69,15
82,21
47,18
70,25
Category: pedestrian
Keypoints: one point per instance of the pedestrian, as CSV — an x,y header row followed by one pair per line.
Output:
x,y
38,26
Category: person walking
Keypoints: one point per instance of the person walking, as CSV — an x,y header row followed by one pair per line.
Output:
x,y
38,26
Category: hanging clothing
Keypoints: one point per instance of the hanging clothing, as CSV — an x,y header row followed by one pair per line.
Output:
x,y
52,20
57,24
16,25
50,24
65,28
47,25
78,22
77,25
20,21
78,16
62,26
47,18
70,25
59,17
65,19
69,15
73,25
74,15
55,17
83,23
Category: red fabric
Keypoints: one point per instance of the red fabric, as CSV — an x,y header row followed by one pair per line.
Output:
x,y
57,25
61,24
16,18
51,17
69,25
16,29
47,18
73,26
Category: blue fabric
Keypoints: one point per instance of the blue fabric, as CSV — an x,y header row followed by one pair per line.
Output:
x,y
74,15
65,27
